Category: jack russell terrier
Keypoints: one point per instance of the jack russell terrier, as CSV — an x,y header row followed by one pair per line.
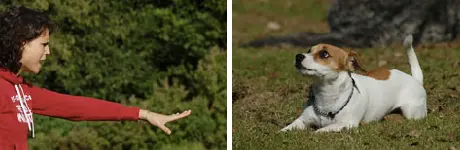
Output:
x,y
341,99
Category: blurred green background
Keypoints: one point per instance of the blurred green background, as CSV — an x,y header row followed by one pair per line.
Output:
x,y
165,56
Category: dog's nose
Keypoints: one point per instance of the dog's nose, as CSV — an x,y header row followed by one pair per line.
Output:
x,y
299,58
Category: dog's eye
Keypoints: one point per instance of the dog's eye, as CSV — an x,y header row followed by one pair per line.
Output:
x,y
323,54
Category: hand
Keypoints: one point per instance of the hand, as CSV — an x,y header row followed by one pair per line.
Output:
x,y
160,120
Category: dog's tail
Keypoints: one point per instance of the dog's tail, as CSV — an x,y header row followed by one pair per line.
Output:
x,y
416,71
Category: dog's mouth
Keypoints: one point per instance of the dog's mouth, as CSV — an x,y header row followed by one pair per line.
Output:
x,y
301,67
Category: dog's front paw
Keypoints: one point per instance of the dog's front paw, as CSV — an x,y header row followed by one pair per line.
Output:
x,y
322,130
285,129
332,128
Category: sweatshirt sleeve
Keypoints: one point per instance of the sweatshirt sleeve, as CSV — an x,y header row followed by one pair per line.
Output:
x,y
78,108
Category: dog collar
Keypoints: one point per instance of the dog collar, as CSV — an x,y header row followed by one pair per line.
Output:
x,y
332,114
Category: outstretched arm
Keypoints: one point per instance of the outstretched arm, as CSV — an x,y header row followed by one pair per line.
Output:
x,y
78,108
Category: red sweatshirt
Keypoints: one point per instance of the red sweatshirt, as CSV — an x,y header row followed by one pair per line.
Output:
x,y
18,101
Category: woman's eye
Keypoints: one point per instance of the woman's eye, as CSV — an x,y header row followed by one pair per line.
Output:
x,y
323,54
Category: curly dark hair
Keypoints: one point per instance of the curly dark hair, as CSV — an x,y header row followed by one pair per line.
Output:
x,y
17,26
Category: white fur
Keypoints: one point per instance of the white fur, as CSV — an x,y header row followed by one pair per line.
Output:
x,y
374,100
415,67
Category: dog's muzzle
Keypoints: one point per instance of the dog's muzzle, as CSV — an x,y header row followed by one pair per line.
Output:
x,y
298,61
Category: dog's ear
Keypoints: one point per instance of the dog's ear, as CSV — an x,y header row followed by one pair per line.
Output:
x,y
353,62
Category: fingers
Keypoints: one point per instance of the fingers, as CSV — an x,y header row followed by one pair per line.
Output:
x,y
179,116
165,129
171,118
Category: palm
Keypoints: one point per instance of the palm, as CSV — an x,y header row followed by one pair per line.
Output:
x,y
160,120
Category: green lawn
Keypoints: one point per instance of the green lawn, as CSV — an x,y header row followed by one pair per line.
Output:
x,y
268,92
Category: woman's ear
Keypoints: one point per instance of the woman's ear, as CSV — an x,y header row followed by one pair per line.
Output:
x,y
353,62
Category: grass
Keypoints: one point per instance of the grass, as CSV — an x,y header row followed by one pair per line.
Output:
x,y
268,92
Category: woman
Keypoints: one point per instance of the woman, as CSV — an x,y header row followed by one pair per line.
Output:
x,y
24,43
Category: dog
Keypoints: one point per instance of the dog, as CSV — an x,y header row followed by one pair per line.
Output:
x,y
340,99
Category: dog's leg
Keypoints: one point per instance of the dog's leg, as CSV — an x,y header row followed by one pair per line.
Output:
x,y
305,120
414,112
297,124
336,127
415,105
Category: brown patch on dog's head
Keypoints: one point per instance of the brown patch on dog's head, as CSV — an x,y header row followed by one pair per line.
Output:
x,y
336,58
379,74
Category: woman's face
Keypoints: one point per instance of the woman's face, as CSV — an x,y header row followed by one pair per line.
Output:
x,y
35,51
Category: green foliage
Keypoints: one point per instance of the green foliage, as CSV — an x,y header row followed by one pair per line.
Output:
x,y
112,50
165,56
